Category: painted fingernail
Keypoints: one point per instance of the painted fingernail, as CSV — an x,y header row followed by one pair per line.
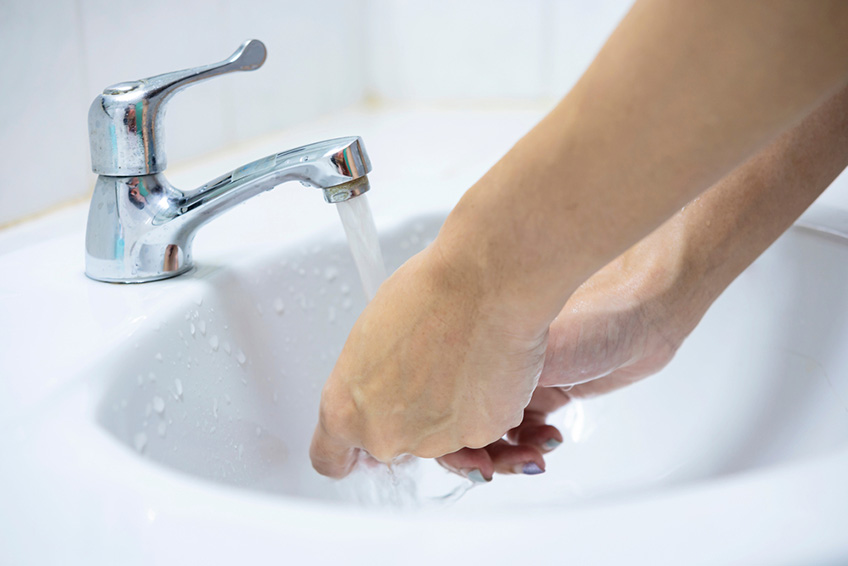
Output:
x,y
531,469
476,476
551,444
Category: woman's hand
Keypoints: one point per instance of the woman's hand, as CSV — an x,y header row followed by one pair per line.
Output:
x,y
433,365
614,330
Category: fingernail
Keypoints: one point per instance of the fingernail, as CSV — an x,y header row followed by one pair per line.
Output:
x,y
551,444
476,476
531,469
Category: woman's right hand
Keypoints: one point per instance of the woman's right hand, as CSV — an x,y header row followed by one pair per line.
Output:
x,y
623,324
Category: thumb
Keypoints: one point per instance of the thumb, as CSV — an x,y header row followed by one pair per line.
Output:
x,y
331,456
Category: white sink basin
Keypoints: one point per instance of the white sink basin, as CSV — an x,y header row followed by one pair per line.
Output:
x,y
169,422
226,385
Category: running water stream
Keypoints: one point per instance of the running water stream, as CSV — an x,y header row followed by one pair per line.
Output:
x,y
364,245
398,485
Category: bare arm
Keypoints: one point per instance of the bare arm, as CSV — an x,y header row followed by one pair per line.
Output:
x,y
675,273
451,349
627,321
680,95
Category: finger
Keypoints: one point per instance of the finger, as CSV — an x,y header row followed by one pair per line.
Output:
x,y
546,400
516,458
331,456
472,463
544,437
533,429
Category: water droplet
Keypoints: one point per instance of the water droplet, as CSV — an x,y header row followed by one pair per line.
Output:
x,y
258,431
178,386
345,289
158,356
240,450
161,429
215,407
198,300
151,376
331,314
227,399
202,326
158,405
241,357
213,341
304,159
301,272
140,379
331,273
346,304
279,306
140,441
192,329
227,348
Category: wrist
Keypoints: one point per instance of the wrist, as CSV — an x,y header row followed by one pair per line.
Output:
x,y
456,266
670,272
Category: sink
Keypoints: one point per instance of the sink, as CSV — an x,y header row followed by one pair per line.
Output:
x,y
226,386
169,422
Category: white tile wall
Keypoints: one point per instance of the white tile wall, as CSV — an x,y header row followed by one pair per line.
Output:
x,y
323,55
43,131
315,61
484,49
578,30
443,49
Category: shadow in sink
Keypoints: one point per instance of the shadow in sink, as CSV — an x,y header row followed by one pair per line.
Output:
x,y
227,387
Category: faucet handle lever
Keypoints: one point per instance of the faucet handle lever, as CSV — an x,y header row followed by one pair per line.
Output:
x,y
249,56
124,126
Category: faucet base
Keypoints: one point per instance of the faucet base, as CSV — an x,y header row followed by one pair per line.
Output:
x,y
135,279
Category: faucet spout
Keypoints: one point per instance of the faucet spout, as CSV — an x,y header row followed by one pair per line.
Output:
x,y
324,165
141,228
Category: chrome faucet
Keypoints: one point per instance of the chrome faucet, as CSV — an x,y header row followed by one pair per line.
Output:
x,y
140,227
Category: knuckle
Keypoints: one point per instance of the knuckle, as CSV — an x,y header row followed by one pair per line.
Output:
x,y
338,417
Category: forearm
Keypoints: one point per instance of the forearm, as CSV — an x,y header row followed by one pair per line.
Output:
x,y
667,109
718,235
